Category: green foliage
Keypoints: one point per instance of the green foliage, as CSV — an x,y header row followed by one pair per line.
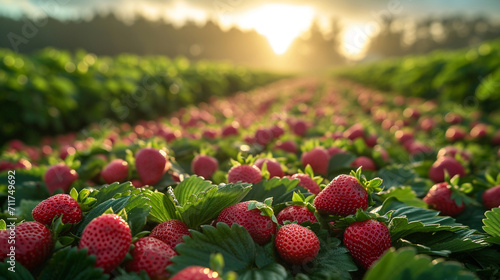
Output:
x,y
492,225
405,264
20,272
62,91
72,263
195,201
460,76
280,189
239,251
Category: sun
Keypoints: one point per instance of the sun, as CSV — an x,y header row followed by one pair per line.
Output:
x,y
279,23
355,39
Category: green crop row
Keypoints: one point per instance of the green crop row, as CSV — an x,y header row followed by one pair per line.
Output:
x,y
55,91
468,76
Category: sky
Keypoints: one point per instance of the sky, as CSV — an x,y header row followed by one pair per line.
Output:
x,y
280,21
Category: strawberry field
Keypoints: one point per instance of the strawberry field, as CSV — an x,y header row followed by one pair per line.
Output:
x,y
301,178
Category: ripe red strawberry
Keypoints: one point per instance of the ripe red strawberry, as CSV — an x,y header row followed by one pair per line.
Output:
x,y
318,159
230,130
296,213
171,232
33,243
342,197
354,132
59,176
55,206
367,241
287,146
151,255
107,237
245,174
439,198
307,182
491,198
365,162
260,227
335,150
196,273
204,166
263,136
436,172
273,166
296,244
299,127
151,164
115,171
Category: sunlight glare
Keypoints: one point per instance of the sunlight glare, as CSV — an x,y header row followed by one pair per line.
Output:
x,y
355,40
279,23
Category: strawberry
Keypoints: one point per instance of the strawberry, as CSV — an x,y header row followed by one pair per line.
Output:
x,y
288,146
263,136
204,166
151,164
259,226
245,174
307,182
365,162
33,244
296,244
318,159
342,197
354,132
115,171
367,241
273,166
107,237
57,205
230,130
296,213
451,165
299,127
170,232
439,198
335,150
452,151
196,273
151,255
59,176
491,198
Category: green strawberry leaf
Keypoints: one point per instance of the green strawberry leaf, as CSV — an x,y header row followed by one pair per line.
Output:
x,y
74,194
113,190
25,209
125,275
136,206
162,207
340,162
405,220
371,186
15,272
458,241
72,263
234,243
280,189
492,225
405,264
403,194
199,202
272,271
3,225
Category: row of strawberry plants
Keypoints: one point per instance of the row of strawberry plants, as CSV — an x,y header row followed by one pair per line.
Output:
x,y
55,91
285,154
468,76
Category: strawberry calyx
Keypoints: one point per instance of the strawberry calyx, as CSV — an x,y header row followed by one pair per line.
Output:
x,y
299,199
459,191
85,202
240,160
370,186
265,208
309,171
359,216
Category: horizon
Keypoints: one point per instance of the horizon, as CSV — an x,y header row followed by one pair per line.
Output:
x,y
281,22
